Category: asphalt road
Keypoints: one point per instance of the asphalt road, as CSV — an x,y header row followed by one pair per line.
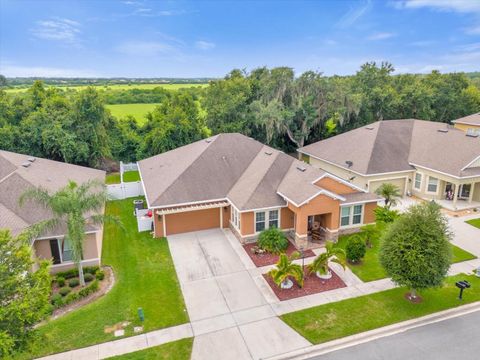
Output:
x,y
457,338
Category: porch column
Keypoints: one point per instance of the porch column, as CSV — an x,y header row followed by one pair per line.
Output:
x,y
455,195
470,198
221,217
164,223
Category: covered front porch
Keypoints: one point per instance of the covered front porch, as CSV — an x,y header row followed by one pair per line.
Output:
x,y
460,196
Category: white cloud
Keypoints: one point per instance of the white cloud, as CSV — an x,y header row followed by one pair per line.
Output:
x,y
58,29
463,6
353,15
145,48
474,30
39,71
380,36
204,45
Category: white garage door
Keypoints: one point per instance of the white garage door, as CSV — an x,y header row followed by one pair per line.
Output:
x,y
399,182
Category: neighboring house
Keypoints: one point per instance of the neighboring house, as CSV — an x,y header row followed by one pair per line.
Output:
x,y
430,160
20,172
470,124
230,180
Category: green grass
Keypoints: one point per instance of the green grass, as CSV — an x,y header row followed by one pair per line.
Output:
x,y
177,350
352,316
129,176
138,111
145,277
115,87
370,268
474,222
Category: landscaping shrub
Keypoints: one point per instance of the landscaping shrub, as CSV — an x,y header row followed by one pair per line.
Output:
x,y
273,240
74,272
88,277
71,298
89,289
60,281
355,249
56,300
74,282
64,290
100,274
90,269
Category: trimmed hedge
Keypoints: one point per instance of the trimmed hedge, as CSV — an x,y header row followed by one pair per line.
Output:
x,y
355,249
73,282
59,301
89,277
64,291
60,281
272,240
100,274
74,272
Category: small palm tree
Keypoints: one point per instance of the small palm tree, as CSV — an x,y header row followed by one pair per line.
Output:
x,y
332,254
286,268
390,193
76,206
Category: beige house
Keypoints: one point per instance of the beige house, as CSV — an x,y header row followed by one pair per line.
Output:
x,y
18,173
470,124
232,181
430,160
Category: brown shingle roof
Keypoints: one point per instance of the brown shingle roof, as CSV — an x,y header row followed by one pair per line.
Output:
x,y
231,166
473,119
398,145
48,174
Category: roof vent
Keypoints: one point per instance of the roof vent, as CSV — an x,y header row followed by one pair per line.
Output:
x,y
369,128
268,152
31,159
443,130
349,163
26,164
301,168
472,132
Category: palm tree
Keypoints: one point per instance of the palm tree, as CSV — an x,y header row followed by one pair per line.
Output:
x,y
73,205
286,268
332,254
390,193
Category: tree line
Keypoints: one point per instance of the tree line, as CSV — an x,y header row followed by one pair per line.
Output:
x,y
273,106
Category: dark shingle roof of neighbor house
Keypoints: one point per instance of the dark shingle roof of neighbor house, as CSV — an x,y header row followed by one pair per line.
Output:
x,y
473,119
231,166
399,145
48,174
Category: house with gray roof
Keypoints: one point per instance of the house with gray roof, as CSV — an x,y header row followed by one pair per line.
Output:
x,y
430,160
20,172
470,124
233,181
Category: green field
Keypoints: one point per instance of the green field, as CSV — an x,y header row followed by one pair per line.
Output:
x,y
116,87
138,111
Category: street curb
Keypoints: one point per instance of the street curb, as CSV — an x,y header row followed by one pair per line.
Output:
x,y
352,340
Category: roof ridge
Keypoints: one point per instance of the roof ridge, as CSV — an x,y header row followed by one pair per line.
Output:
x,y
189,165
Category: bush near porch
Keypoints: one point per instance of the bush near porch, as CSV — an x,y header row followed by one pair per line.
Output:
x,y
370,269
144,277
352,316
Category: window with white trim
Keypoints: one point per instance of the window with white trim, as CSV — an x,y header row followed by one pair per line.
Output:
x,y
432,186
235,218
351,215
273,218
418,181
267,219
66,251
259,221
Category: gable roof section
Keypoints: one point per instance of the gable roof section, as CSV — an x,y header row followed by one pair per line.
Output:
x,y
473,119
48,174
399,145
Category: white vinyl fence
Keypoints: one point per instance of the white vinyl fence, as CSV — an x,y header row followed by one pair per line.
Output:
x,y
125,190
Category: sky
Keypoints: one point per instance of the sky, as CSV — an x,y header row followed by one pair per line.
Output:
x,y
143,38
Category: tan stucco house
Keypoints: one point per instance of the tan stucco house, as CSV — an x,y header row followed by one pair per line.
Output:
x,y
232,181
470,124
430,160
18,173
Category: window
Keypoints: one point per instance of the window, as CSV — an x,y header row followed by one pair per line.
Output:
x,y
351,215
357,214
418,181
66,250
235,218
464,191
345,216
273,218
432,186
259,221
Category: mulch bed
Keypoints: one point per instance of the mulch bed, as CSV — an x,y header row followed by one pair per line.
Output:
x,y
271,259
311,285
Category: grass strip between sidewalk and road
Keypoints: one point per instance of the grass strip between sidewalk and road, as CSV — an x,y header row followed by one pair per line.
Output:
x,y
145,277
352,316
176,350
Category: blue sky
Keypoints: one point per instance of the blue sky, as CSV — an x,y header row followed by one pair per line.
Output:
x,y
142,38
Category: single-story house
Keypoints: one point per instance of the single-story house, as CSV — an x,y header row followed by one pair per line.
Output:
x,y
18,173
232,181
430,160
470,124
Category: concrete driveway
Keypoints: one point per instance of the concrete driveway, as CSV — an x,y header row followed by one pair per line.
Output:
x,y
229,311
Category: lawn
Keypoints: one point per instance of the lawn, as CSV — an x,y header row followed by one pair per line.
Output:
x,y
370,268
352,316
138,111
145,277
177,350
474,222
129,176
116,87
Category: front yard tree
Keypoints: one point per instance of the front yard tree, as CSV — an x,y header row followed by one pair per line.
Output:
x,y
76,206
390,192
415,250
24,294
